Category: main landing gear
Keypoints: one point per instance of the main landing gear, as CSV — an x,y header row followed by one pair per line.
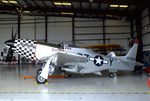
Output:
x,y
39,79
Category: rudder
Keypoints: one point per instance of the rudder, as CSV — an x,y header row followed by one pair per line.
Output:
x,y
131,55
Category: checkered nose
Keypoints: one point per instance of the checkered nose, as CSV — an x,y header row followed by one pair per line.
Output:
x,y
10,43
25,48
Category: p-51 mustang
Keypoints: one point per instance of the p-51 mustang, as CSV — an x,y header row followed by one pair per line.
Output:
x,y
71,59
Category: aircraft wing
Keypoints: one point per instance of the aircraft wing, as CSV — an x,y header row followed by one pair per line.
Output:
x,y
64,57
60,59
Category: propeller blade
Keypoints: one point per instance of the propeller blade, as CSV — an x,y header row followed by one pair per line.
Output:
x,y
14,37
10,43
9,55
12,33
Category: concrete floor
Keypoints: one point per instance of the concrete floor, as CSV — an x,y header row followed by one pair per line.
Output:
x,y
127,86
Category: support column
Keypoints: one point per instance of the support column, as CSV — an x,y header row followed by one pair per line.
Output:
x,y
149,14
18,26
104,33
73,31
131,26
35,29
46,32
139,37
19,35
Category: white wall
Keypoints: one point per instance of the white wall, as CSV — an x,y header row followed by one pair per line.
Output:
x,y
89,30
60,29
119,32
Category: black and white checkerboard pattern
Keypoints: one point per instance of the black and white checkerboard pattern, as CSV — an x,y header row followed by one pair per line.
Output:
x,y
26,48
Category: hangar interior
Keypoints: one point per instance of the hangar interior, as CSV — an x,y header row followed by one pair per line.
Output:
x,y
83,22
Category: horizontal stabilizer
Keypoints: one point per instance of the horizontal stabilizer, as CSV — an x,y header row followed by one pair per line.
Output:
x,y
133,62
98,73
111,54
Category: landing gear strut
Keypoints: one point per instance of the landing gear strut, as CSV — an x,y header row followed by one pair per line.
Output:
x,y
41,80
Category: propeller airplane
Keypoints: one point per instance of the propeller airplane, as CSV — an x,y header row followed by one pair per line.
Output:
x,y
71,59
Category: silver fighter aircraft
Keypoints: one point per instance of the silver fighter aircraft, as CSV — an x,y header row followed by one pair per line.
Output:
x,y
71,59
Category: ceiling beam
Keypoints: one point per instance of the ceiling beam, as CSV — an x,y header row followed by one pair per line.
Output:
x,y
84,11
92,11
27,3
121,2
59,15
44,3
36,3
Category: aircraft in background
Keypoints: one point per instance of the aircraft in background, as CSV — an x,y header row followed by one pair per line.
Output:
x,y
71,59
106,48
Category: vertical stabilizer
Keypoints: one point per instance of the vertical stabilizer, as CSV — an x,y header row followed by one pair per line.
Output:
x,y
131,55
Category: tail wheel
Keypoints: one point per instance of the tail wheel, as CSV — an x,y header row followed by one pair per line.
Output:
x,y
111,75
68,75
40,80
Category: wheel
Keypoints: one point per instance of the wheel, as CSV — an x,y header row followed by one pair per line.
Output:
x,y
40,80
68,76
111,75
39,71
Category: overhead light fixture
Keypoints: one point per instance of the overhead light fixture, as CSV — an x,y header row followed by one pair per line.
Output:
x,y
67,13
63,3
9,1
26,11
13,1
109,15
4,1
114,6
123,6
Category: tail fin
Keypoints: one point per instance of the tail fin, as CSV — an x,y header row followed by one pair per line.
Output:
x,y
131,55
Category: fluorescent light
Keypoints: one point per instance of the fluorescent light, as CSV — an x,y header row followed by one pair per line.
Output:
x,y
63,3
5,1
57,3
114,5
12,1
9,1
123,6
26,11
67,13
67,4
109,15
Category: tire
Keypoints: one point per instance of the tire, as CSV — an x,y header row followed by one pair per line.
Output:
x,y
39,71
40,80
111,75
68,76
